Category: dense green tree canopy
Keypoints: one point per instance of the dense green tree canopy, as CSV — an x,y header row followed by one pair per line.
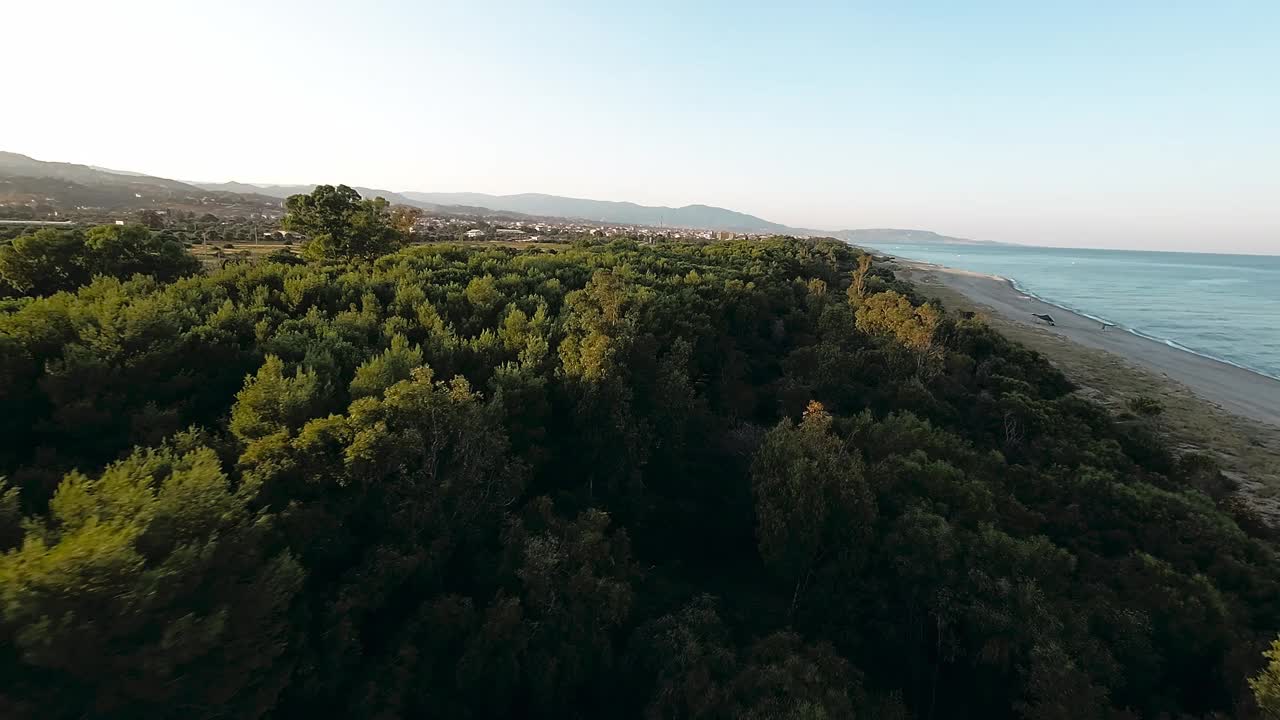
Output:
x,y
753,479
49,261
342,226
1266,686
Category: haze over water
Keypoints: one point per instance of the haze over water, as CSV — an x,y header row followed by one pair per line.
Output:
x,y
1222,306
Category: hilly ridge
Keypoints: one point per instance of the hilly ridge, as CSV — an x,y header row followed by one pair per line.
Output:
x,y
872,236
13,164
25,180
691,216
284,191
68,186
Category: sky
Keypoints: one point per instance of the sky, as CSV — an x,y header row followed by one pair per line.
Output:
x,y
1148,125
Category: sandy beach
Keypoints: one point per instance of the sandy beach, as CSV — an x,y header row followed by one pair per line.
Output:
x,y
1209,405
1234,389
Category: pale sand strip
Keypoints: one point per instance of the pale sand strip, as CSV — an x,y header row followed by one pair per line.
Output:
x,y
1210,405
1236,390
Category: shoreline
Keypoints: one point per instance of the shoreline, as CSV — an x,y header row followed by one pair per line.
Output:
x,y
1102,321
1232,388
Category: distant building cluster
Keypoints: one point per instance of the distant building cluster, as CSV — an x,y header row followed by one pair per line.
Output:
x,y
547,229
252,221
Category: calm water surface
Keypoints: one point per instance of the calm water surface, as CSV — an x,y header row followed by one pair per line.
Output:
x,y
1222,306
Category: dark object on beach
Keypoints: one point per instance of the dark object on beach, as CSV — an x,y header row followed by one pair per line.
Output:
x,y
1046,318
966,314
1106,326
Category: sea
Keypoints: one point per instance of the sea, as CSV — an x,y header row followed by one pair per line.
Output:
x,y
1225,307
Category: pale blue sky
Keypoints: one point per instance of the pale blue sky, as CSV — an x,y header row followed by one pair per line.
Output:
x,y
1106,124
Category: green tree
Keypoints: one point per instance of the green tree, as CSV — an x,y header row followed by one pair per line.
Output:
x,y
272,401
381,372
858,288
10,517
692,660
785,678
125,250
1266,685
151,590
1144,406
50,261
151,219
576,581
341,225
45,262
284,256
404,218
813,506
891,313
974,541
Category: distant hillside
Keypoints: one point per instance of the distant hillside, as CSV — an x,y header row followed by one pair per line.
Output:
x,y
890,236
15,165
623,213
239,187
26,181
543,206
284,191
129,173
67,186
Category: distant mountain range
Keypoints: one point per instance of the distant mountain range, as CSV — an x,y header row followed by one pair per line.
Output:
x,y
67,186
15,165
24,179
623,213
284,191
540,205
889,236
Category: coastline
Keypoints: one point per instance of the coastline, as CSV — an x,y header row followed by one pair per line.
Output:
x,y
1209,406
1235,389
1113,326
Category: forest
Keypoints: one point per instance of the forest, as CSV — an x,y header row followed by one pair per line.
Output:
x,y
739,479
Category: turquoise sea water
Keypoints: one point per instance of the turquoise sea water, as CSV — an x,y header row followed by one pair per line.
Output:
x,y
1223,306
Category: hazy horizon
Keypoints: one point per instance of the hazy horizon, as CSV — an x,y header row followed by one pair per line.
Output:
x,y
1144,127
